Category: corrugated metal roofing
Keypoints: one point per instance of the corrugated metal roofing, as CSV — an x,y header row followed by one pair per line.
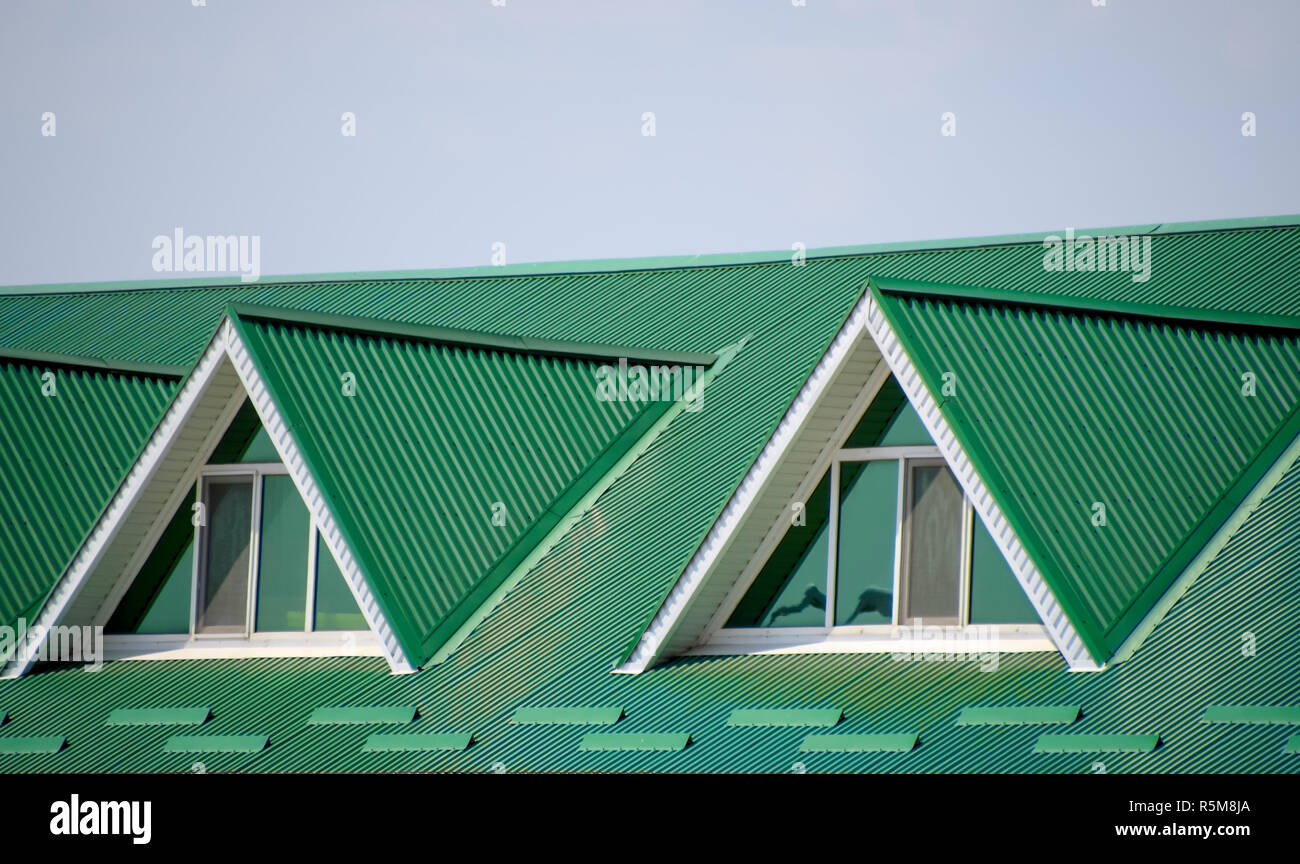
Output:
x,y
446,463
61,457
554,640
1249,269
1250,588
1062,410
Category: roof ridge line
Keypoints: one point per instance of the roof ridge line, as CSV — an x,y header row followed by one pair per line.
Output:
x,y
1125,308
592,266
469,338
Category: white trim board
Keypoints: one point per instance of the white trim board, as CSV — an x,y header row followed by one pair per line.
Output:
x,y
89,589
688,619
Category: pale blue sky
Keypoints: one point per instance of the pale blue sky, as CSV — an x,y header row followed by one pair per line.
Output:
x,y
522,124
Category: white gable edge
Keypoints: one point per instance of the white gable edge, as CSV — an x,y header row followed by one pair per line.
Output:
x,y
670,613
1059,628
291,456
866,315
224,346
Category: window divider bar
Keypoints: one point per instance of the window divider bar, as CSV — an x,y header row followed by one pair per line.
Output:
x,y
832,545
254,553
313,543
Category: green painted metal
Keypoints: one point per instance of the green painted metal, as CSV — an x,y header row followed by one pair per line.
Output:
x,y
158,716
593,716
434,440
1236,266
1017,715
216,744
1292,745
554,639
360,715
416,742
624,741
785,717
61,457
1288,715
1054,743
42,745
1145,417
467,338
1182,315
860,743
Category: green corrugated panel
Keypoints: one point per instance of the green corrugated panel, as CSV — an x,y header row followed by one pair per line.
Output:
x,y
633,741
861,743
1292,745
158,717
358,715
568,716
1016,715
552,639
1238,265
1053,743
785,717
32,745
1059,410
53,480
216,744
417,742
437,441
3,717
1263,714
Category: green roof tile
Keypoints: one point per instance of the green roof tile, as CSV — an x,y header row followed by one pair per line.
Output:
x,y
32,745
1263,714
860,743
416,742
633,741
1069,743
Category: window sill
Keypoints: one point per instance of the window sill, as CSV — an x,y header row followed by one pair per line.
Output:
x,y
340,643
1006,638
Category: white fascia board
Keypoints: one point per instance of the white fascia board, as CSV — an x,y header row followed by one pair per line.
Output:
x,y
109,521
670,612
1059,629
291,456
225,347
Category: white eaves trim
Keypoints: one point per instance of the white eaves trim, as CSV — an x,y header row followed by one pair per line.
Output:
x,y
1062,632
224,355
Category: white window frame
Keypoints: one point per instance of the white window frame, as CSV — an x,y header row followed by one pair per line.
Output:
x,y
251,643
867,638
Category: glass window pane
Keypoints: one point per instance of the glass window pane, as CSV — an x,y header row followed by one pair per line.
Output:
x,y
905,429
224,595
790,590
864,570
933,571
336,608
282,557
995,595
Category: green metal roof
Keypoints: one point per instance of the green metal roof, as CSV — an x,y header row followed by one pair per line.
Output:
x,y
1061,409
1247,266
435,439
553,640
61,457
